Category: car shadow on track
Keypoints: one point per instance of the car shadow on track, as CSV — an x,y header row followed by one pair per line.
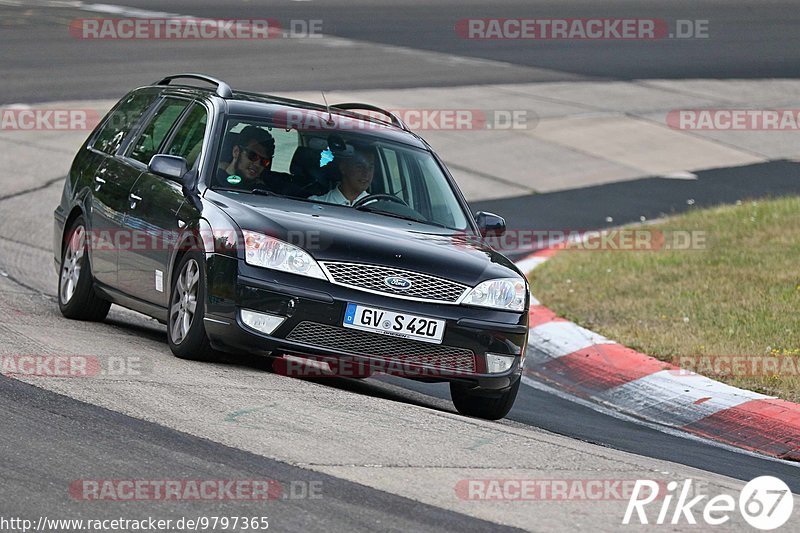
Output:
x,y
154,331
385,388
379,386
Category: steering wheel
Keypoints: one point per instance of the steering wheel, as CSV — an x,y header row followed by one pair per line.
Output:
x,y
379,196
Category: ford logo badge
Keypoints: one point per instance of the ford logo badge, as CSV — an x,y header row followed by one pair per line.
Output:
x,y
397,283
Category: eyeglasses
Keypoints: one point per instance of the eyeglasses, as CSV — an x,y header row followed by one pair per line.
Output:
x,y
254,156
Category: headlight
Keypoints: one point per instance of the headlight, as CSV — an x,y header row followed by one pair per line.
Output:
x,y
502,293
268,252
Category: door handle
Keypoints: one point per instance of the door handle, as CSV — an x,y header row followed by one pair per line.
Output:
x,y
99,182
134,200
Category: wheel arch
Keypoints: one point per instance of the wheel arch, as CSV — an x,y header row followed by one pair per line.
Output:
x,y
188,242
76,211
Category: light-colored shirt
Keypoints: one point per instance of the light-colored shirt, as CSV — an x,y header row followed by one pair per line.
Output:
x,y
335,196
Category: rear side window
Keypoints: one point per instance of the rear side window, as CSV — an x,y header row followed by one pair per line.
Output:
x,y
154,133
188,139
113,131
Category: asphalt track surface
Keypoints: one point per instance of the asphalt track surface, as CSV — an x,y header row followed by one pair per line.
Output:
x,y
73,437
64,436
410,43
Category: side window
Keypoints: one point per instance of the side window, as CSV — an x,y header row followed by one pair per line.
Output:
x,y
188,139
153,135
113,131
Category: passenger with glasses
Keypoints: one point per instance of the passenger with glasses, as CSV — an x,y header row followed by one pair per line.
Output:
x,y
251,160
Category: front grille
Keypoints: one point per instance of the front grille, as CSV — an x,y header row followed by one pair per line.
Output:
x,y
373,278
383,346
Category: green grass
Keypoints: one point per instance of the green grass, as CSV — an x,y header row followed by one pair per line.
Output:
x,y
739,294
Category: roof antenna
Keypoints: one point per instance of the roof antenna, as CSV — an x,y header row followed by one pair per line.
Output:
x,y
330,121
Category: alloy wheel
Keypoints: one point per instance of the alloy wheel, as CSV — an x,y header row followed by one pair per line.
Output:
x,y
184,301
72,264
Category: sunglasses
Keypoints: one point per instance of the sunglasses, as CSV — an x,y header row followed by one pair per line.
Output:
x,y
254,156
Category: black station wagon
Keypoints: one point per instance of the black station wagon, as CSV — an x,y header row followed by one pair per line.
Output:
x,y
330,235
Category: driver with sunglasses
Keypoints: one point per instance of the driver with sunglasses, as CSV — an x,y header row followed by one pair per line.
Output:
x,y
251,160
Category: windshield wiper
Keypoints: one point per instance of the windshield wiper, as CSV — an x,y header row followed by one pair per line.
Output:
x,y
265,192
420,219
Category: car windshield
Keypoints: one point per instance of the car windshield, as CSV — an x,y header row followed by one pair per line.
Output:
x,y
352,169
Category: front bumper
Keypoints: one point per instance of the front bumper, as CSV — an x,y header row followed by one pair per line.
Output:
x,y
314,312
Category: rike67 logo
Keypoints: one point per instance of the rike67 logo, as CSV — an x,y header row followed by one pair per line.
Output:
x,y
765,503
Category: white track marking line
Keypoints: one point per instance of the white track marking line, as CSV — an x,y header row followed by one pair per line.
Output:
x,y
129,11
528,264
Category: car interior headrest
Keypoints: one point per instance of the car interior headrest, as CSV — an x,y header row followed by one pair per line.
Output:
x,y
231,140
306,163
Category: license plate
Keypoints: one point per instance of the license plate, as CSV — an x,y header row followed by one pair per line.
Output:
x,y
395,324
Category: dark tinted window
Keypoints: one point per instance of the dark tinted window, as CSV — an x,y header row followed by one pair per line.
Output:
x,y
153,135
110,137
188,139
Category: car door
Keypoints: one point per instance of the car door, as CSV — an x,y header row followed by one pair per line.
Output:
x,y
156,201
111,183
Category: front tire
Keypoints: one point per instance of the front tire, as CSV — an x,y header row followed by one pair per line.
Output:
x,y
471,403
186,332
76,297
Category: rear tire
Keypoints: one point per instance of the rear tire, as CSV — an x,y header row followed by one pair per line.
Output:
x,y
479,405
186,332
76,297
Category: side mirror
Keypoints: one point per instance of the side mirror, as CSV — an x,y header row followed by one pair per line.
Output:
x,y
169,166
490,224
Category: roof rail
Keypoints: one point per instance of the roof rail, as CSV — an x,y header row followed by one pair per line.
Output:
x,y
223,89
355,106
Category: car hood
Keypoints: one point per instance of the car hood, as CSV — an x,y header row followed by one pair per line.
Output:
x,y
335,233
